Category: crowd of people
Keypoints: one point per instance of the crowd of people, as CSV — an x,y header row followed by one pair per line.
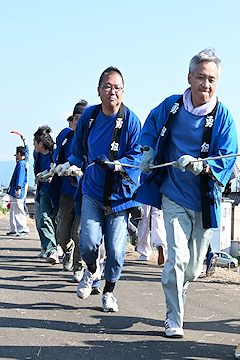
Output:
x,y
104,168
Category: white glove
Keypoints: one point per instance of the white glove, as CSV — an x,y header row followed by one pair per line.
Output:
x,y
61,169
17,193
42,176
52,168
147,160
73,170
118,166
185,163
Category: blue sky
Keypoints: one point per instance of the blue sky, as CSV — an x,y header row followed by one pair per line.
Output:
x,y
53,52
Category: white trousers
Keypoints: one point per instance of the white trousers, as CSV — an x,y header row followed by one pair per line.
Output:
x,y
144,237
187,247
18,216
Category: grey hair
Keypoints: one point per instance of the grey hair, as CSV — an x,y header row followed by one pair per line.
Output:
x,y
208,54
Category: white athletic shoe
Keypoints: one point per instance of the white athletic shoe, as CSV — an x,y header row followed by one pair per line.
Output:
x,y
109,302
172,329
85,285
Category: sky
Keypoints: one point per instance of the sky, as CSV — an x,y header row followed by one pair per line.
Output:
x,y
53,52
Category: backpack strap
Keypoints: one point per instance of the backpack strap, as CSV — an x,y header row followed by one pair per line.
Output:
x,y
113,152
205,188
109,182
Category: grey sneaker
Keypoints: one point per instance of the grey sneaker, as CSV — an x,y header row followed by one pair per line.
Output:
x,y
42,254
53,258
172,329
78,274
85,285
109,302
68,260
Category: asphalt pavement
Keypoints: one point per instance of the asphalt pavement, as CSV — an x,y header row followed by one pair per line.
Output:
x,y
42,317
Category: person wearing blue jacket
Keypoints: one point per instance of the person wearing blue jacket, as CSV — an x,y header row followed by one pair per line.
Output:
x,y
62,190
181,131
46,222
106,132
18,191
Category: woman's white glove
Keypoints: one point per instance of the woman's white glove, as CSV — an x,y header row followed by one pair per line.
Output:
x,y
185,162
73,170
147,159
61,169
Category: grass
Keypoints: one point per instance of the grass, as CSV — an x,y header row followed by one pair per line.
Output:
x,y
4,211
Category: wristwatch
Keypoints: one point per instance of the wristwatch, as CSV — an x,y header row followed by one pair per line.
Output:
x,y
145,148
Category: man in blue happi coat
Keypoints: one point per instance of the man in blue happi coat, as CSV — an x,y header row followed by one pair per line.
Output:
x,y
181,130
109,131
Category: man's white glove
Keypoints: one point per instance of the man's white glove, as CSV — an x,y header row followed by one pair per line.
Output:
x,y
185,163
61,169
147,159
73,170
118,166
17,193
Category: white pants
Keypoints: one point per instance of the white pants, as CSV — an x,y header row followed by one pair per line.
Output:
x,y
187,247
144,242
18,216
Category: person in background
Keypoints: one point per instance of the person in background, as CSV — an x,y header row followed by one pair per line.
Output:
x,y
18,191
135,215
63,189
183,130
46,223
211,261
144,247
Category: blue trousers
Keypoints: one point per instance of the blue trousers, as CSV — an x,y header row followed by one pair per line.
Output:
x,y
95,224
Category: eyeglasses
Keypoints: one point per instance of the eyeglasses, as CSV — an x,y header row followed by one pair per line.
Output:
x,y
109,87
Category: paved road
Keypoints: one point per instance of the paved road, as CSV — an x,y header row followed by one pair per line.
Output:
x,y
42,318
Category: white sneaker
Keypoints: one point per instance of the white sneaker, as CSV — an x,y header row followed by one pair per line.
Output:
x,y
109,302
53,258
143,258
85,285
172,329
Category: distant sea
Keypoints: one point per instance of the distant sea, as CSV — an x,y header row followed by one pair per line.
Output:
x,y
6,171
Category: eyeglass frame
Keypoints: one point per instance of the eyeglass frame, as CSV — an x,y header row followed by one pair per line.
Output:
x,y
110,88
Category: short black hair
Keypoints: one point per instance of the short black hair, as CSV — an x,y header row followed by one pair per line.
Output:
x,y
21,150
44,134
80,107
108,71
